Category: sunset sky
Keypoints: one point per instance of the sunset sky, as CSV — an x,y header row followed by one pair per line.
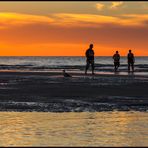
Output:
x,y
67,28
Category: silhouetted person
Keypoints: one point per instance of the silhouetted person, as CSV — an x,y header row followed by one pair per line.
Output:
x,y
89,58
66,74
116,58
130,60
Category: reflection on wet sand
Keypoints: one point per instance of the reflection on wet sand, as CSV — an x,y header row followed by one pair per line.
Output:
x,y
73,129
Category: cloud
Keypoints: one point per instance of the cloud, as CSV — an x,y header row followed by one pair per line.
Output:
x,y
15,19
140,20
100,6
69,20
115,5
82,20
91,20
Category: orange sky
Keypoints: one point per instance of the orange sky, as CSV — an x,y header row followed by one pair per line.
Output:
x,y
67,28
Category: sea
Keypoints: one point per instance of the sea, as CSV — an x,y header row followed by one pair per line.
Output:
x,y
84,128
103,64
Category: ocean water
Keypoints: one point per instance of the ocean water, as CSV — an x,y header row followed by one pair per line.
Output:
x,y
74,129
76,64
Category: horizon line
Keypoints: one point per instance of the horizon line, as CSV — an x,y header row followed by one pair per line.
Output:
x,y
64,56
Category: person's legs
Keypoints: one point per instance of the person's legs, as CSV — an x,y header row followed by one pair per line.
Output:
x,y
132,64
92,66
116,66
87,66
128,66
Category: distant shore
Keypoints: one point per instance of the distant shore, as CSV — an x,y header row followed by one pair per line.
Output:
x,y
50,91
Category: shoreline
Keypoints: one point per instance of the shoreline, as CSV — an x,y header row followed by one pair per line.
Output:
x,y
73,73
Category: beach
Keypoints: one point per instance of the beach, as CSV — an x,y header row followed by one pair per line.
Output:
x,y
50,91
41,107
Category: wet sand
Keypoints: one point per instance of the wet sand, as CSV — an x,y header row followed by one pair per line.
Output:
x,y
121,92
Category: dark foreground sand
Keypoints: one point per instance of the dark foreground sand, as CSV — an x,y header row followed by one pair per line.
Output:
x,y
52,92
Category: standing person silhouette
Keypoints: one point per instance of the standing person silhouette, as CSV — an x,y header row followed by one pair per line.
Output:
x,y
89,58
130,60
116,58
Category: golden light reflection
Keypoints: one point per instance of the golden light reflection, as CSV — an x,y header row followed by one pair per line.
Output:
x,y
74,129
